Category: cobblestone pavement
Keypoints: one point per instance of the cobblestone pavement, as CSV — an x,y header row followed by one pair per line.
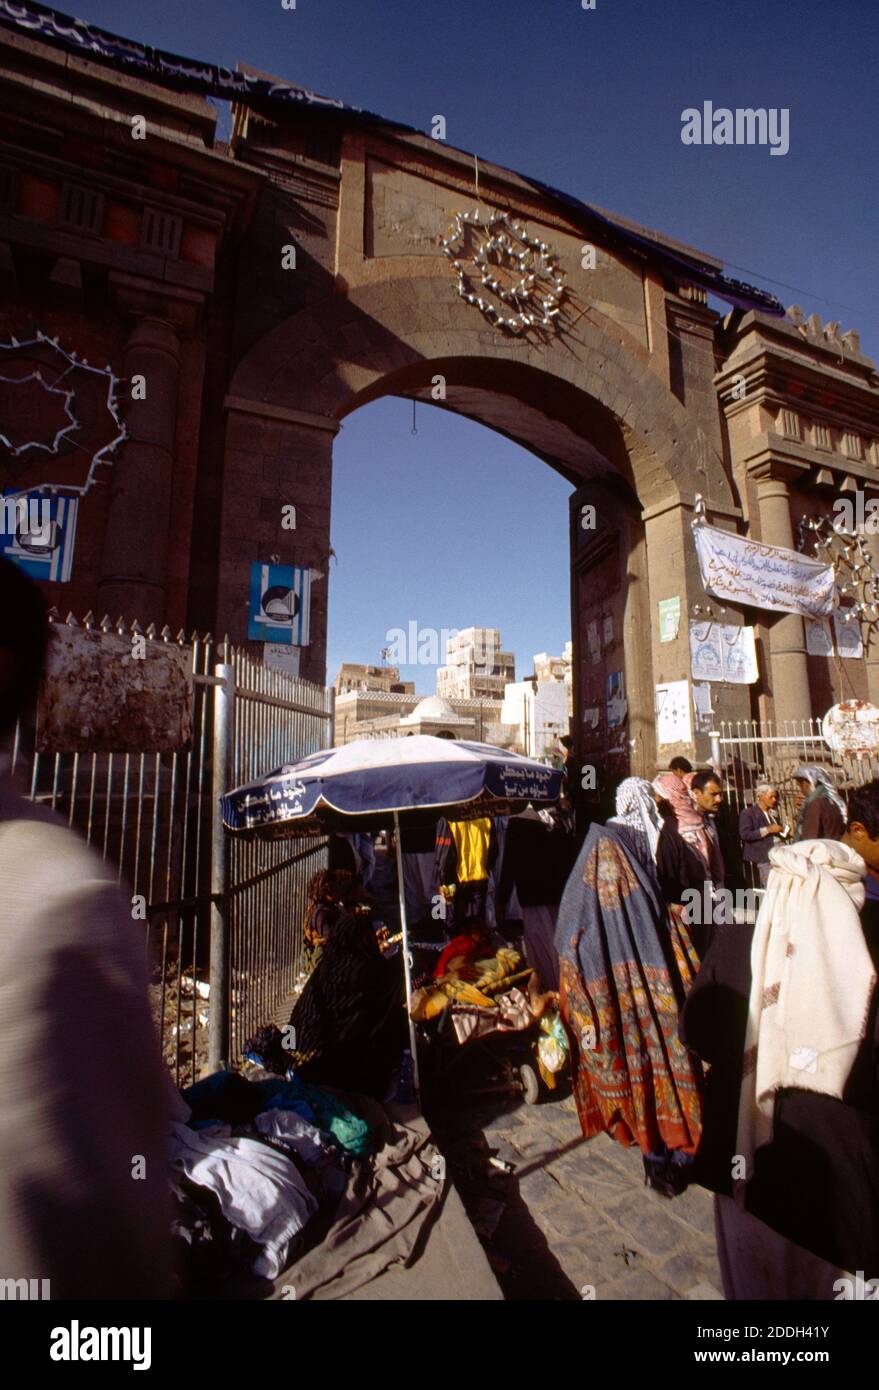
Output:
x,y
575,1213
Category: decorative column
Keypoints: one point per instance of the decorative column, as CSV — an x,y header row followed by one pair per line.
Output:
x,y
673,573
133,572
870,632
275,458
787,638
134,576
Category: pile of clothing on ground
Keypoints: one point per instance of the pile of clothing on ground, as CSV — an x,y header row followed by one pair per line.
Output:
x,y
251,1162
274,1179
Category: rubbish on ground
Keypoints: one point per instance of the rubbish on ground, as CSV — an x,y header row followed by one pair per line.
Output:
x,y
502,1165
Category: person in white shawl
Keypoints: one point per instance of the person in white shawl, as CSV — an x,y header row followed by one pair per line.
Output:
x,y
812,981
789,1141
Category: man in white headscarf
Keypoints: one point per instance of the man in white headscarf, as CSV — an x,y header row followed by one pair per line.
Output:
x,y
638,819
822,813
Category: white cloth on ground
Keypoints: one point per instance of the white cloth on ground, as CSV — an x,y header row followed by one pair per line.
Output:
x,y
812,980
294,1132
260,1191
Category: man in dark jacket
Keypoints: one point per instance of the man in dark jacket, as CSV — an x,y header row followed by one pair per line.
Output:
x,y
816,1184
539,854
760,829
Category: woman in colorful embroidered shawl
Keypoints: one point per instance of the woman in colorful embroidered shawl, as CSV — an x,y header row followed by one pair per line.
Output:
x,y
621,992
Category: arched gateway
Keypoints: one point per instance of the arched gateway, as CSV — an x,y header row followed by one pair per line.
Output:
x,y
615,392
262,289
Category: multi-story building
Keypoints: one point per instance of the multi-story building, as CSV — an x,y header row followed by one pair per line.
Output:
x,y
352,676
475,666
535,714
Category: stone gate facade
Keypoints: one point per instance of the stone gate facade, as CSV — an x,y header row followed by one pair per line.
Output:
x,y
268,286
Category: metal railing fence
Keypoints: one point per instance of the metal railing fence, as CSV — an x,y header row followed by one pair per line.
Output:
x,y
222,920
748,752
275,719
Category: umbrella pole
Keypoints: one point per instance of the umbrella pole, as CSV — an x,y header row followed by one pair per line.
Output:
x,y
406,962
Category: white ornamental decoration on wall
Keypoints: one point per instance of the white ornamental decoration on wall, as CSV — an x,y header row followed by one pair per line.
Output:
x,y
74,404
522,282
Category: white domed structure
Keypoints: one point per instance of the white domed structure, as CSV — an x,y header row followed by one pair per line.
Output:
x,y
434,715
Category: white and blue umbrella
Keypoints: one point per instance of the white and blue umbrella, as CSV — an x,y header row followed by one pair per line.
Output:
x,y
373,781
370,780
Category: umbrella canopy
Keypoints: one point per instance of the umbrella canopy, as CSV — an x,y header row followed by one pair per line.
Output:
x,y
368,780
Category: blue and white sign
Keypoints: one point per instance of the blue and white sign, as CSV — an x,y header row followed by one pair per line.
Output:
x,y
280,603
39,534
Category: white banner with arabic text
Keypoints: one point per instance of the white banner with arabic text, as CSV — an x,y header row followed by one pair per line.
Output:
x,y
763,576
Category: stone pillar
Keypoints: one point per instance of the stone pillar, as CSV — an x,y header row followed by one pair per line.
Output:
x,y
275,458
673,573
871,633
133,571
787,638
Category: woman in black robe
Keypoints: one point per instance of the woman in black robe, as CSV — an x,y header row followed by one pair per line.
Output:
x,y
349,1021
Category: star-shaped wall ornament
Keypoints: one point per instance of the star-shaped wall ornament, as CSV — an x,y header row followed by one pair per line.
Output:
x,y
523,284
58,373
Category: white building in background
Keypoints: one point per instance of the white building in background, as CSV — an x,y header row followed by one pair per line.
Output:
x,y
558,668
537,711
434,715
475,668
538,714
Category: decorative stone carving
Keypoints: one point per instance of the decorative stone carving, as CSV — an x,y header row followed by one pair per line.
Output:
x,y
827,334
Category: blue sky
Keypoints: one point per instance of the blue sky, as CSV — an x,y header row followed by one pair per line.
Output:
x,y
455,525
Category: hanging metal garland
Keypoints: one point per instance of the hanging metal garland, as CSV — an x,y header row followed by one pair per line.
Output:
x,y
852,563
102,456
535,298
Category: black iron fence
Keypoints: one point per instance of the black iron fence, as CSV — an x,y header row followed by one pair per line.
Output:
x,y
222,920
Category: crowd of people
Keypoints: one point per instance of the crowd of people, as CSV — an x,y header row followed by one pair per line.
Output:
x,y
735,1054
738,1054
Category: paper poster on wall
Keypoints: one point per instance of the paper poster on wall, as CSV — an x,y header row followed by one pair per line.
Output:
x,y
739,654
669,618
591,717
616,704
593,643
608,631
848,634
702,706
673,723
281,658
280,599
819,638
723,652
706,654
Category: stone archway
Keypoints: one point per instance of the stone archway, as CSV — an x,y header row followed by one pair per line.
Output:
x,y
589,402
